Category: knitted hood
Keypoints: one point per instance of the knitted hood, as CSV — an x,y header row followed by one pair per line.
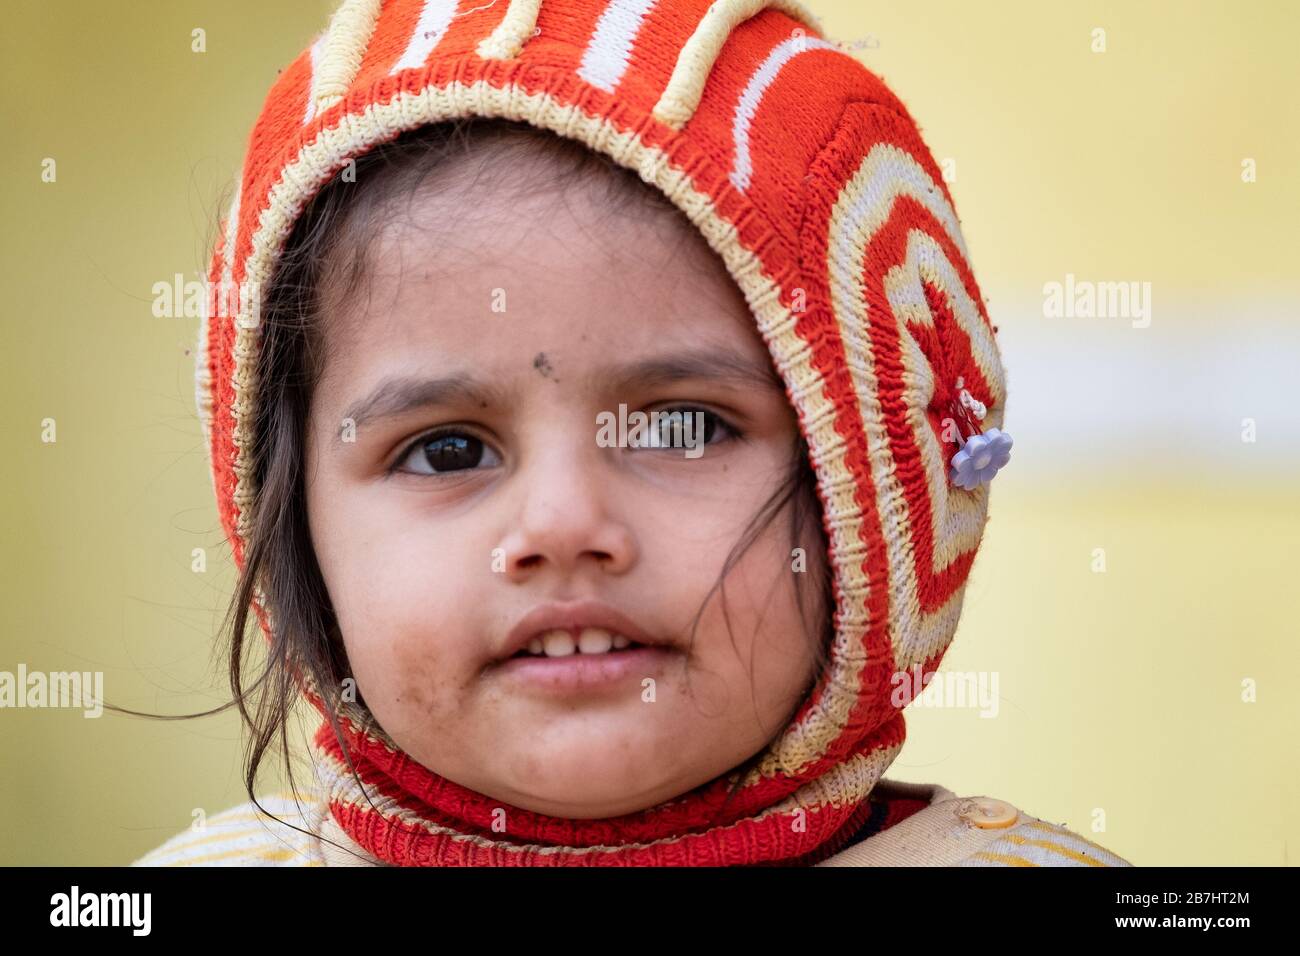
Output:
x,y
811,181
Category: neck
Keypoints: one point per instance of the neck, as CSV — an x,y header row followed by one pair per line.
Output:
x,y
407,815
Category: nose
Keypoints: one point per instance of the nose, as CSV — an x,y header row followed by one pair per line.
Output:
x,y
567,522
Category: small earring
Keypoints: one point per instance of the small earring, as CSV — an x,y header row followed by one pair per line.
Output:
x,y
970,401
982,454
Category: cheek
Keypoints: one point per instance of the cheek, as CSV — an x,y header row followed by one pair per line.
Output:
x,y
395,597
411,666
409,684
773,638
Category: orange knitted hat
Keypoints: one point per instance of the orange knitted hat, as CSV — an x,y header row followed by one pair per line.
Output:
x,y
811,181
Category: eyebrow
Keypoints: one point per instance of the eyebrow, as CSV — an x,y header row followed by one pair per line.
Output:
x,y
729,368
397,396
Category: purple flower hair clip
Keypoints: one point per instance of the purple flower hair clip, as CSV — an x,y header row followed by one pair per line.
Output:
x,y
981,454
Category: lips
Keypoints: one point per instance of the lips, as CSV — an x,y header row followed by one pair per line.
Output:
x,y
561,629
590,640
622,673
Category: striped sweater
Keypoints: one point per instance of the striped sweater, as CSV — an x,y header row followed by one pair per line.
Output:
x,y
936,828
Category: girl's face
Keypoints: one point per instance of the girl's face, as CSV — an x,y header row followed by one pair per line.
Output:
x,y
456,483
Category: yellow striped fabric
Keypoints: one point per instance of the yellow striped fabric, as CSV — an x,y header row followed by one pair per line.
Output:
x,y
1039,843
244,836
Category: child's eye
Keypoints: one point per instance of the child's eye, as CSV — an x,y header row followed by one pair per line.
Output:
x,y
670,432
450,451
443,452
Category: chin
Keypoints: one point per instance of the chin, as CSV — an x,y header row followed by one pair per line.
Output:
x,y
585,782
582,804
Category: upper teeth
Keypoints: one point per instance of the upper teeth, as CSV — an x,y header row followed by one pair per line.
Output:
x,y
591,640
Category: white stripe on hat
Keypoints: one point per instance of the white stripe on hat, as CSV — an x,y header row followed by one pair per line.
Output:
x,y
884,174
232,233
221,296
606,58
695,60
747,106
435,18
310,111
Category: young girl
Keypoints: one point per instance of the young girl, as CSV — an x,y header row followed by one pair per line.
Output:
x,y
602,411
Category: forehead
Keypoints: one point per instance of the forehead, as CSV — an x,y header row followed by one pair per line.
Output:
x,y
466,269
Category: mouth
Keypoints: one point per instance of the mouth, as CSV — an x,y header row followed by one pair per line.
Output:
x,y
617,670
563,629
579,646
588,641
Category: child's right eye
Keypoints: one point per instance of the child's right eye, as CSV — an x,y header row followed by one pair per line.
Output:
x,y
443,452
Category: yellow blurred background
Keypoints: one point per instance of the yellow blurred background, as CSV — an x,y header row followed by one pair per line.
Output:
x,y
1120,697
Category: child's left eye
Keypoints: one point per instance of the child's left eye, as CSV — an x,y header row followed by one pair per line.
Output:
x,y
672,426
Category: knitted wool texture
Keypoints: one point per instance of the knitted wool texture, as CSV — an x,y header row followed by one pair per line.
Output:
x,y
811,181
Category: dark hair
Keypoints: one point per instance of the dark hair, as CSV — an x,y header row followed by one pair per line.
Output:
x,y
327,248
